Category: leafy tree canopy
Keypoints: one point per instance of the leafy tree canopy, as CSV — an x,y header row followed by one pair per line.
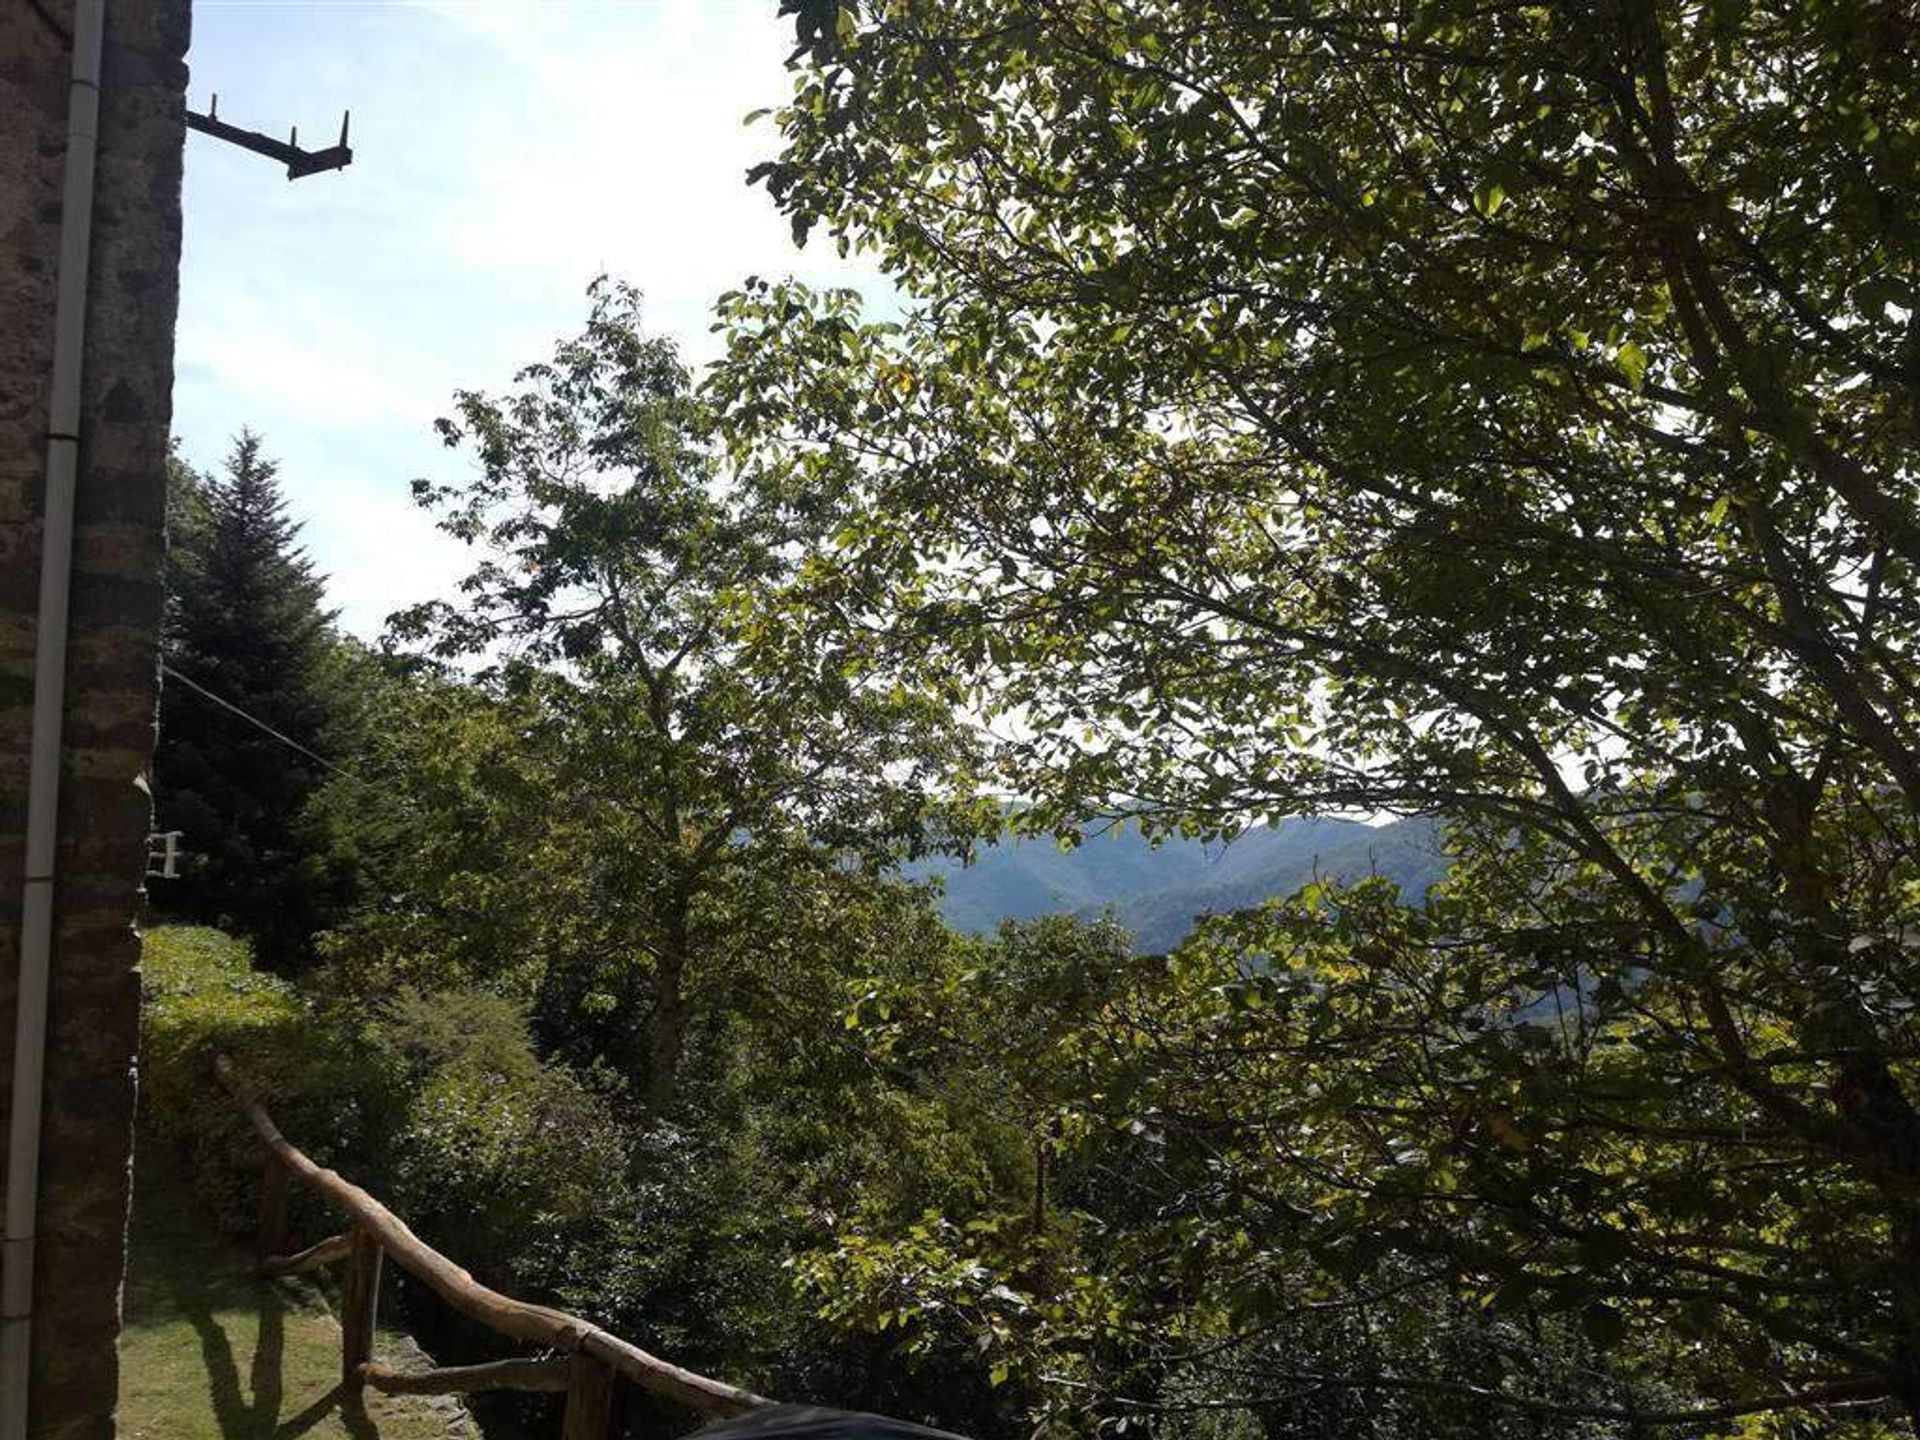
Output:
x,y
688,747
1497,412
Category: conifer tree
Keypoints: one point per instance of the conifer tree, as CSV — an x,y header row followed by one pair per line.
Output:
x,y
247,623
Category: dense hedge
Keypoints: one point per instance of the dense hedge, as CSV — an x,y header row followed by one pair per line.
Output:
x,y
435,1102
334,1091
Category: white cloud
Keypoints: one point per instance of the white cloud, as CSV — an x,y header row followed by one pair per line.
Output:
x,y
622,148
505,153
304,362
380,554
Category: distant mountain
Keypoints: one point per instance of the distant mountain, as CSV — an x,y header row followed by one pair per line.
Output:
x,y
1156,891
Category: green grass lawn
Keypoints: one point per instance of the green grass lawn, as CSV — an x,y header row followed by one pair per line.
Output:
x,y
207,1352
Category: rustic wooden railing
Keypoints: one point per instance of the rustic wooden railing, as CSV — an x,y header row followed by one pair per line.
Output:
x,y
589,1360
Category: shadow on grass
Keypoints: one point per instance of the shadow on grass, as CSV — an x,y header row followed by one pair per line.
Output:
x,y
353,1416
252,1412
184,1275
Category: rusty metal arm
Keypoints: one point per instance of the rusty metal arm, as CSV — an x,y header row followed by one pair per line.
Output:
x,y
298,162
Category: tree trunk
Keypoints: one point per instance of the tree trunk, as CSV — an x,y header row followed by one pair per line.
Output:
x,y
670,1012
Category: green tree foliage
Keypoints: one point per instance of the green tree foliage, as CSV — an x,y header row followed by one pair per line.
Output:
x,y
187,514
1149,1261
1497,412
246,621
678,769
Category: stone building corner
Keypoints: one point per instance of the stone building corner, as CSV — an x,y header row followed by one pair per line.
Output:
x,y
93,1025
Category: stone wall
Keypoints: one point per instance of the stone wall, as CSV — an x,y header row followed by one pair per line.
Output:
x,y
116,614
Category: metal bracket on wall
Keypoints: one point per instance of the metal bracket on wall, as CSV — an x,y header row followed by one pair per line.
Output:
x,y
163,855
298,162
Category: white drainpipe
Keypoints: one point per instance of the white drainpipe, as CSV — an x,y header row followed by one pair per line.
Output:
x,y
49,697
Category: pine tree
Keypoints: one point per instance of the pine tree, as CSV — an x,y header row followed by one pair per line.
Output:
x,y
247,623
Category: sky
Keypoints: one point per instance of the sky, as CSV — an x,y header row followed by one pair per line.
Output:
x,y
505,153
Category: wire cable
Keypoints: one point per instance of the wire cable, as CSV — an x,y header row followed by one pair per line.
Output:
x,y
257,723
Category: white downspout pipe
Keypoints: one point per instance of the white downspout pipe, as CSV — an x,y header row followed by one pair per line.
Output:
x,y
49,699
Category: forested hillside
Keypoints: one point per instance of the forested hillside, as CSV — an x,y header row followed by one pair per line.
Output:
x,y
1157,888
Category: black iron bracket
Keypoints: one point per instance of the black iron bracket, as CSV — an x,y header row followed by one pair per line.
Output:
x,y
298,162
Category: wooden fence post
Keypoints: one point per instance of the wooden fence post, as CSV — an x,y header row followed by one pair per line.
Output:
x,y
589,1400
359,1306
590,1362
273,1208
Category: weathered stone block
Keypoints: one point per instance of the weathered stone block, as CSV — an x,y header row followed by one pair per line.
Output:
x,y
116,609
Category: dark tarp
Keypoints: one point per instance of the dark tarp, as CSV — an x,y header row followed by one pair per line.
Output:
x,y
807,1422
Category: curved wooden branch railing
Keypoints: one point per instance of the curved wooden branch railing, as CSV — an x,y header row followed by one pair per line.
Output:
x,y
597,1356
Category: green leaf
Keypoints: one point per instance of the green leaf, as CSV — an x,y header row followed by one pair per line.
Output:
x,y
1632,361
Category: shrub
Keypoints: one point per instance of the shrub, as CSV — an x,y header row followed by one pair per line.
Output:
x,y
335,1094
514,1166
436,1102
